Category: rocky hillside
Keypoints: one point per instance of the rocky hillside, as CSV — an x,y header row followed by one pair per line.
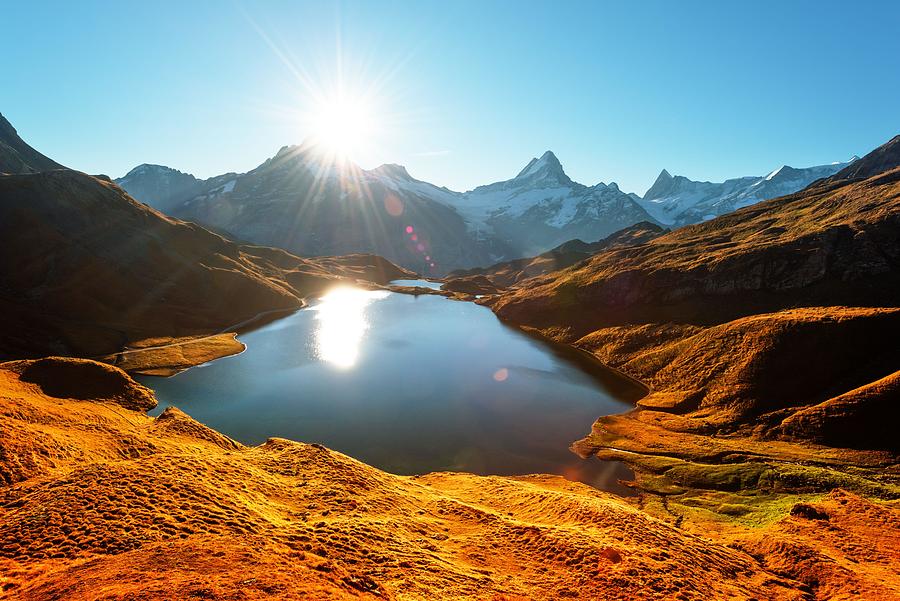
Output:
x,y
885,158
97,499
18,157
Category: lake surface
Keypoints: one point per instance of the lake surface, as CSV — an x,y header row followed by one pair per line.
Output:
x,y
419,283
409,384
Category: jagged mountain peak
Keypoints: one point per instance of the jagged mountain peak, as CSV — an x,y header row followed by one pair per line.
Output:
x,y
677,200
286,150
782,173
547,167
661,186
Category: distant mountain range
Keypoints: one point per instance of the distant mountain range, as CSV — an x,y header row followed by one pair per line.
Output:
x,y
164,188
306,204
677,200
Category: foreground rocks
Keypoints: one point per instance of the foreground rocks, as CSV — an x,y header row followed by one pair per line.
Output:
x,y
99,501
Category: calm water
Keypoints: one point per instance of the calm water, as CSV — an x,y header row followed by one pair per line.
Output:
x,y
410,385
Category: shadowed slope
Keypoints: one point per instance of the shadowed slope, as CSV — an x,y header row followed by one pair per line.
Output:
x,y
87,270
18,157
884,158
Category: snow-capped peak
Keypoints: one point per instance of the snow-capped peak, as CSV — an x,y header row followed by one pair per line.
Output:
x,y
546,166
661,186
680,201
774,173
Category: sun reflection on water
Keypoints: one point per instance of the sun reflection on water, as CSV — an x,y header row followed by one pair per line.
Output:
x,y
342,324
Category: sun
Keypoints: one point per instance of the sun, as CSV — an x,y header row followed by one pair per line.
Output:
x,y
343,126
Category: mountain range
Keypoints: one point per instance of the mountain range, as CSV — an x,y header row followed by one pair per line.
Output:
x,y
778,320
305,203
309,204
677,200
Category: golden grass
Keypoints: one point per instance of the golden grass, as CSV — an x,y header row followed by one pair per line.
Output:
x,y
101,501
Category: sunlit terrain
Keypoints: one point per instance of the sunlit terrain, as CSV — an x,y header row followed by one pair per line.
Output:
x,y
475,301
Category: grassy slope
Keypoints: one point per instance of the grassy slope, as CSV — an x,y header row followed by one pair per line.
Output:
x,y
508,273
102,502
829,245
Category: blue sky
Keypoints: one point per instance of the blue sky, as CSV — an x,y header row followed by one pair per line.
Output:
x,y
464,93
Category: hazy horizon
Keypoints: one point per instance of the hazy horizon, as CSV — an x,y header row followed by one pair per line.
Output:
x,y
708,92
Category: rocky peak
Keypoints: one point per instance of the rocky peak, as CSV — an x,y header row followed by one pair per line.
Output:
x,y
547,167
661,186
148,169
783,173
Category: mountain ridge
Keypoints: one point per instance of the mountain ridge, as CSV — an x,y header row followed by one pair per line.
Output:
x,y
536,210
531,213
17,157
677,200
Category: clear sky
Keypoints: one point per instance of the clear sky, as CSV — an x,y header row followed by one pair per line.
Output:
x,y
462,93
